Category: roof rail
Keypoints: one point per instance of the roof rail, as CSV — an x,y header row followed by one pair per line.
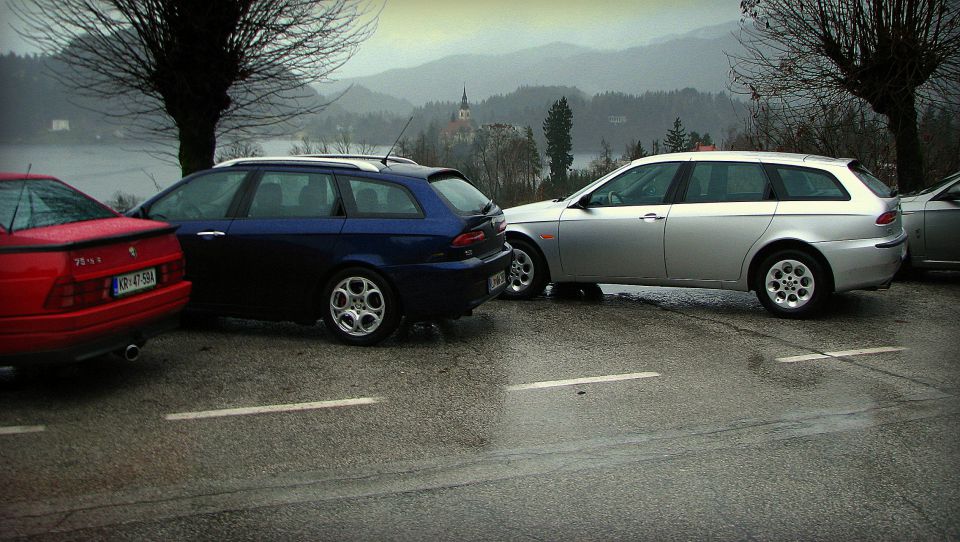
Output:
x,y
354,163
397,159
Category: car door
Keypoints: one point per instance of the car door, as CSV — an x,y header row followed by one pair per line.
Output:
x,y
941,218
282,242
616,232
386,224
201,206
724,208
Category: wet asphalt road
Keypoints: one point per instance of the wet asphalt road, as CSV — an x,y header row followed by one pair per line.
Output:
x,y
710,436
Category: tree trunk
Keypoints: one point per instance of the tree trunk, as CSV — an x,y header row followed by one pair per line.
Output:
x,y
198,142
903,126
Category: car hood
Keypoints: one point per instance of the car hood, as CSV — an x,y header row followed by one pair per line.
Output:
x,y
535,212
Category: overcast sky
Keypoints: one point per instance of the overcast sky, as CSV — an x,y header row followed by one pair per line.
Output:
x,y
412,32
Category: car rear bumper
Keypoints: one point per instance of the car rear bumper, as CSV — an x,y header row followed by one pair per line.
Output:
x,y
449,289
863,263
81,335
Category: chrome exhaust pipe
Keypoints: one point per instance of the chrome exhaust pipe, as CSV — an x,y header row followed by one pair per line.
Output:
x,y
131,352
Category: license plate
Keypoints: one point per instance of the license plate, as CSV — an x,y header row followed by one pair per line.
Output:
x,y
132,283
496,280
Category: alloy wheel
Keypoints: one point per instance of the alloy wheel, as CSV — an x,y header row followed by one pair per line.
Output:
x,y
521,271
790,284
357,306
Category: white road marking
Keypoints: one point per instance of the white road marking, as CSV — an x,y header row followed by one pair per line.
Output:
x,y
842,354
577,381
293,407
20,429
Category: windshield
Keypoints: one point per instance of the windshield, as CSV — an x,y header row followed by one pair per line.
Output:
x,y
937,186
36,203
463,196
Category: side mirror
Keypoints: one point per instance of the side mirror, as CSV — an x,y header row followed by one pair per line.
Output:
x,y
136,212
583,202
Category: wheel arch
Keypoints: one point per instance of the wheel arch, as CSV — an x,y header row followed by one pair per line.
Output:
x,y
788,244
513,235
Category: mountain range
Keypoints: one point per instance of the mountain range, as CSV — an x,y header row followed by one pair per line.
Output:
x,y
693,60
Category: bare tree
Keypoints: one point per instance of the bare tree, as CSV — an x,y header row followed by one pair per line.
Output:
x,y
805,55
238,149
194,69
505,163
839,130
309,146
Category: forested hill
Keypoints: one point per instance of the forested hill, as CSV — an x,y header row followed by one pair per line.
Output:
x,y
616,117
31,100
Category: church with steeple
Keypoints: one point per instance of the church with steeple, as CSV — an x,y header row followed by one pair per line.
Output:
x,y
460,129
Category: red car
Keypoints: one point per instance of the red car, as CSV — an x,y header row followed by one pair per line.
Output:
x,y
78,280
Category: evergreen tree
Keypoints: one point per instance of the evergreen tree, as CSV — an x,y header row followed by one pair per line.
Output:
x,y
676,140
533,162
556,128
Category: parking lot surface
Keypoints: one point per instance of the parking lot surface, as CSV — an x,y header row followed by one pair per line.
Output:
x,y
627,413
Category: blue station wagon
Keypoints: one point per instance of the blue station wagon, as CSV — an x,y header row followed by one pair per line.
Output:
x,y
358,242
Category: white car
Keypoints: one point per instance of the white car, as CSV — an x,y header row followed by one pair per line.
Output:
x,y
793,228
931,218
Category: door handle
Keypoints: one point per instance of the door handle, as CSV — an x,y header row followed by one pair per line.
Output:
x,y
651,217
210,234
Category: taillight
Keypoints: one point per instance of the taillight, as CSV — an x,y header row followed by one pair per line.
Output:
x,y
170,272
67,294
886,218
469,238
501,226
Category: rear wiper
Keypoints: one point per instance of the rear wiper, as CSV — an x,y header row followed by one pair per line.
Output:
x,y
487,207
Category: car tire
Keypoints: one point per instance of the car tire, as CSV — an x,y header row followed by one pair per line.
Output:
x,y
528,273
360,307
792,284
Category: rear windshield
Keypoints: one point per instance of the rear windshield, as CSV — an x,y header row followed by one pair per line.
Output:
x,y
37,203
463,196
877,186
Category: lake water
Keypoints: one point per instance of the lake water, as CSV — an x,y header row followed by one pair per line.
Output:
x,y
101,170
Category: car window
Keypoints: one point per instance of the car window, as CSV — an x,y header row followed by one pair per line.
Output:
x,y
642,185
293,195
799,183
463,196
712,182
206,197
367,198
38,203
875,185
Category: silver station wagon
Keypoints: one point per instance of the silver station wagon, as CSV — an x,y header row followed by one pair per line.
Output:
x,y
793,228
